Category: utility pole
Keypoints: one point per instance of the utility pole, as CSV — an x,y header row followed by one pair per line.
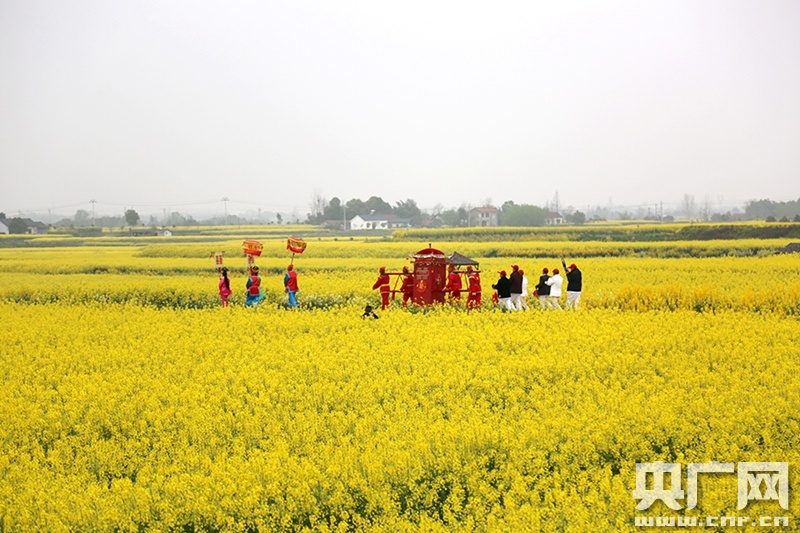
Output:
x,y
344,218
226,200
93,202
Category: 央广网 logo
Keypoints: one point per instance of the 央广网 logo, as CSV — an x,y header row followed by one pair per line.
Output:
x,y
756,481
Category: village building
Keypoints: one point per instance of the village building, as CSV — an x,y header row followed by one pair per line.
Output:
x,y
32,227
484,216
150,232
553,218
378,222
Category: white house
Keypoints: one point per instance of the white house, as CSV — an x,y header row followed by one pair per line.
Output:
x,y
386,222
554,219
484,216
32,227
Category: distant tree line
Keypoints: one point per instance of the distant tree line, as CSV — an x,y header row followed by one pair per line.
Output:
x,y
323,210
510,214
335,211
773,211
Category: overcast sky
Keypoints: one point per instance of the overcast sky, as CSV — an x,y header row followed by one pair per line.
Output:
x,y
173,104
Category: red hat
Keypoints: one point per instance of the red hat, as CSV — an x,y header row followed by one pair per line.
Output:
x,y
502,272
405,269
382,270
290,267
451,267
515,267
469,268
545,270
573,266
521,271
555,271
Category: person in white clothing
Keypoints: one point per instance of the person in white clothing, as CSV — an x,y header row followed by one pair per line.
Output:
x,y
555,283
523,299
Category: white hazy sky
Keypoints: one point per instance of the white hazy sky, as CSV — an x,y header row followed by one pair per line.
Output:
x,y
156,104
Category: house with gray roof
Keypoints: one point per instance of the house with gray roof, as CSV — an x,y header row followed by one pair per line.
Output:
x,y
376,222
32,227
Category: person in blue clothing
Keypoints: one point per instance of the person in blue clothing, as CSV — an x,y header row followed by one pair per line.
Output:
x,y
254,294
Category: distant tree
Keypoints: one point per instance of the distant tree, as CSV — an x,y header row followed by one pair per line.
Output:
x,y
355,207
431,221
110,222
463,216
705,209
796,218
577,218
522,215
376,205
759,209
318,204
334,210
2,215
770,218
82,217
408,209
132,217
688,206
279,218
176,219
784,219
451,217
17,226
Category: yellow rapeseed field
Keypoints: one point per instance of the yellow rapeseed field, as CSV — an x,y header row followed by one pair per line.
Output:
x,y
132,401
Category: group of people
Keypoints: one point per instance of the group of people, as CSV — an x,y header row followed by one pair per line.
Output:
x,y
512,291
453,287
253,291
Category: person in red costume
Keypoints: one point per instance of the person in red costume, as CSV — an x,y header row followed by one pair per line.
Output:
x,y
407,287
290,285
254,294
473,288
454,284
382,283
224,287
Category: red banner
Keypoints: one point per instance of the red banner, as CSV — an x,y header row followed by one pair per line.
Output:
x,y
297,246
252,247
